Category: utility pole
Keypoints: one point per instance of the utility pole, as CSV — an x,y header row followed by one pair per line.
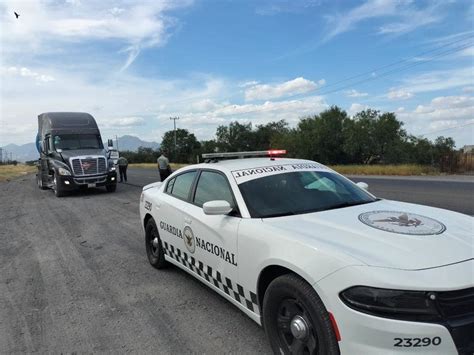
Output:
x,y
174,121
116,140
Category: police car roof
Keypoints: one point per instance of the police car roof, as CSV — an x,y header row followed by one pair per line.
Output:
x,y
249,163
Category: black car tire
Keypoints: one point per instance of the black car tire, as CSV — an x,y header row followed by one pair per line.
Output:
x,y
289,298
58,190
39,181
156,255
111,187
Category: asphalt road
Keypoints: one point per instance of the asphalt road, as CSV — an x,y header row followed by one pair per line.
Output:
x,y
74,277
454,193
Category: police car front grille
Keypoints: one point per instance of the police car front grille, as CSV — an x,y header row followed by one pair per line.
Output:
x,y
459,303
88,166
457,310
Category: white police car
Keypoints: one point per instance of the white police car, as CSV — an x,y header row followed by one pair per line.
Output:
x,y
324,265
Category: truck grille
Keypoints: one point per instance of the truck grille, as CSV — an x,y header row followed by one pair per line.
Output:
x,y
88,166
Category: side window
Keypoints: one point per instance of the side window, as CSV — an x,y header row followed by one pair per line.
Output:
x,y
169,188
182,185
212,186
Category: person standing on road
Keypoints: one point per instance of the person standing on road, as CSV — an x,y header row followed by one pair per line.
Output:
x,y
123,165
163,166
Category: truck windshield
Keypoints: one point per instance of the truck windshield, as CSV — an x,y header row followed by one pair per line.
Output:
x,y
77,141
300,192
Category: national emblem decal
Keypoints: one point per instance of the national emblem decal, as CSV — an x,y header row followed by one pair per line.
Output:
x,y
402,223
189,240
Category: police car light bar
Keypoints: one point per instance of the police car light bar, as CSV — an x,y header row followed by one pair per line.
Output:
x,y
241,155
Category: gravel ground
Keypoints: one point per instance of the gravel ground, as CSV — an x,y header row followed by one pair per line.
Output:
x,y
74,278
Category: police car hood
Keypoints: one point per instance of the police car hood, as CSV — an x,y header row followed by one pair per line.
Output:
x,y
386,234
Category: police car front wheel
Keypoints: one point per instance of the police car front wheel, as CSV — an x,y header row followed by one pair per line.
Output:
x,y
295,319
154,248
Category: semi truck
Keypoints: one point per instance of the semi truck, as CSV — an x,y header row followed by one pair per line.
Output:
x,y
72,155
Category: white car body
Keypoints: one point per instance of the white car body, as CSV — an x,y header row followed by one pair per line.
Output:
x,y
332,250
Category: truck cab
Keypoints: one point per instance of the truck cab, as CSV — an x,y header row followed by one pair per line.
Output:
x,y
72,154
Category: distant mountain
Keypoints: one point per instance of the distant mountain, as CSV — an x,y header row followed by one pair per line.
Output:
x,y
132,143
20,152
28,151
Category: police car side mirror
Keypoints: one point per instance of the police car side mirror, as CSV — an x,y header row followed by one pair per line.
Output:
x,y
217,207
363,185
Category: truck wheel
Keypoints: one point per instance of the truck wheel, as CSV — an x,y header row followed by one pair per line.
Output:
x,y
111,188
154,247
295,319
39,181
58,190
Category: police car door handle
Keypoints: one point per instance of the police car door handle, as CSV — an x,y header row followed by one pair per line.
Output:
x,y
187,220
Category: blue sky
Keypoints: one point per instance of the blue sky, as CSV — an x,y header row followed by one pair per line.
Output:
x,y
134,64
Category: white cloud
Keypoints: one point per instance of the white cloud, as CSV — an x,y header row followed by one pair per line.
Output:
x,y
42,24
399,95
204,105
446,108
437,80
468,89
296,86
412,20
355,93
26,73
129,121
248,83
444,115
121,104
355,108
204,124
407,16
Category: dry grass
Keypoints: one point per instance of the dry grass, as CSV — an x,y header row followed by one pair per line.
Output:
x,y
401,170
174,166
8,172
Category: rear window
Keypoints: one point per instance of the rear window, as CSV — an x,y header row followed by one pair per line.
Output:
x,y
182,185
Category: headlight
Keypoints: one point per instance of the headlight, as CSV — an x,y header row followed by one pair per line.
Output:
x,y
64,172
111,167
397,304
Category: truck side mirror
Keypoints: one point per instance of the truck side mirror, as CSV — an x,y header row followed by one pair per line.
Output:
x,y
110,143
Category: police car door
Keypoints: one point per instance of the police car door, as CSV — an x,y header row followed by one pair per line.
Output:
x,y
211,240
170,213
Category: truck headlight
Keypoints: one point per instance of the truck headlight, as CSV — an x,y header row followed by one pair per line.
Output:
x,y
64,172
112,168
397,304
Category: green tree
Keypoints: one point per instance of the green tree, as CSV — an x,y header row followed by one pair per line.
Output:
x,y
266,135
187,146
321,138
235,137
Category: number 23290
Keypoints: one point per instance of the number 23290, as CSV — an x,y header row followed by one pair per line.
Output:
x,y
416,342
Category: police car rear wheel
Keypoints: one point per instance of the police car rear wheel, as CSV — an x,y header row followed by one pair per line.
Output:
x,y
154,248
295,319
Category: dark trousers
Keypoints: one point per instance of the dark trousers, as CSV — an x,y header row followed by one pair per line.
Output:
x,y
123,172
164,173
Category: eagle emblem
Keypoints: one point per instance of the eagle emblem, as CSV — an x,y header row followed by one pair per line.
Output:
x,y
189,241
402,221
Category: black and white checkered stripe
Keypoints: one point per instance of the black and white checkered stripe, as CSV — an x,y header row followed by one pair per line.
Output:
x,y
245,297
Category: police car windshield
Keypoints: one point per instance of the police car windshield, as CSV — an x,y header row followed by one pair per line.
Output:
x,y
77,141
300,192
